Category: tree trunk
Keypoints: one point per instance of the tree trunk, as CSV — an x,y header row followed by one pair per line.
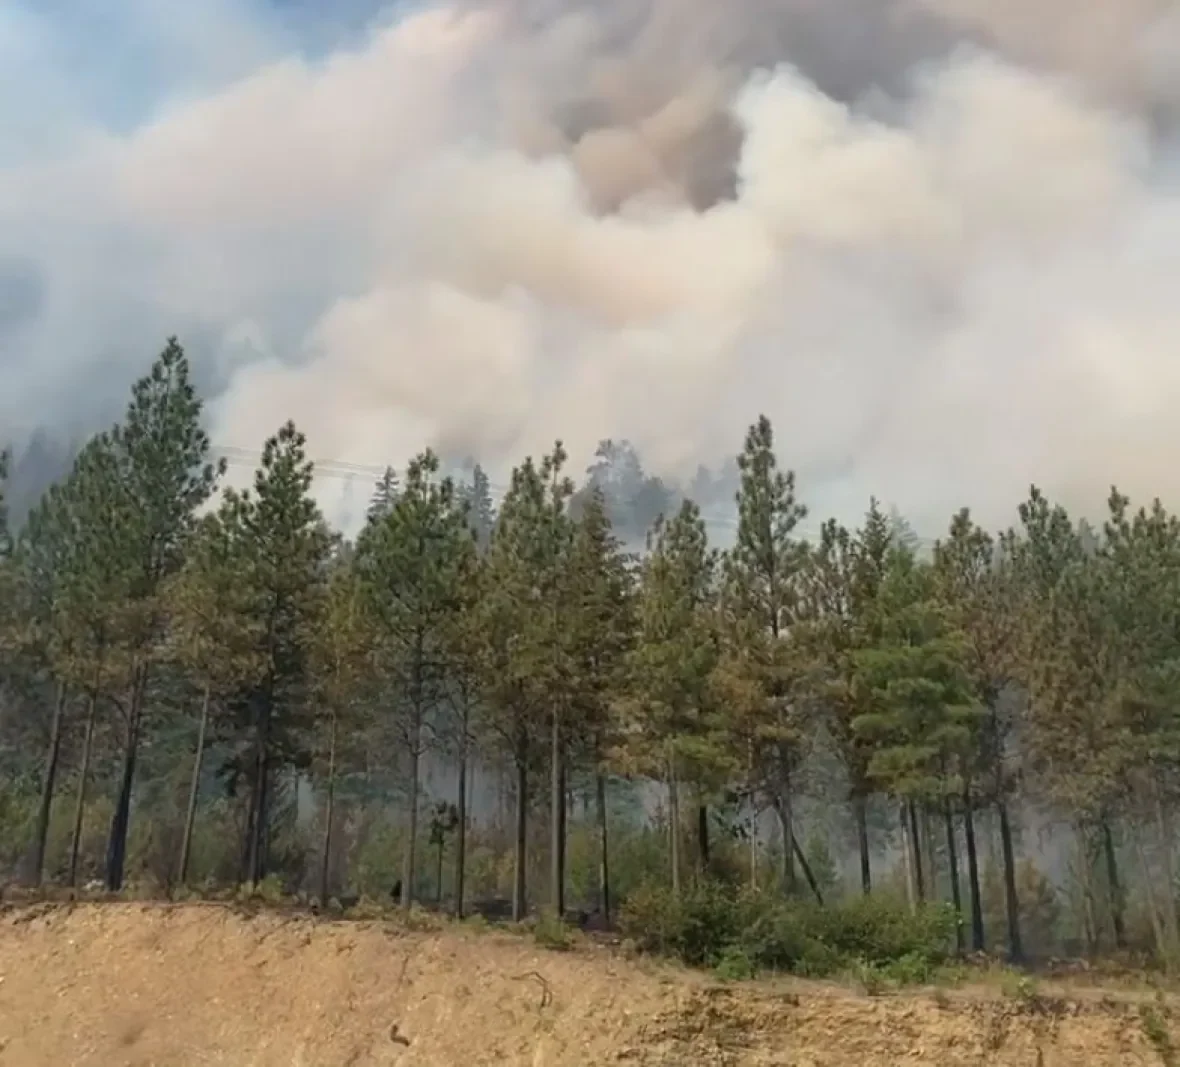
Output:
x,y
461,827
409,857
860,810
259,857
782,808
916,853
754,851
194,789
1157,926
703,838
805,867
256,825
603,848
1167,851
121,820
567,805
83,776
438,872
931,865
329,809
1116,892
952,860
48,784
519,901
977,933
907,857
1011,900
674,824
557,808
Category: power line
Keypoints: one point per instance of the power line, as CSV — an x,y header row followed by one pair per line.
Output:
x,y
348,472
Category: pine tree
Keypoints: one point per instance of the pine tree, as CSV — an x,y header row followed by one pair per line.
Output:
x,y
284,546
839,590
38,630
163,475
464,686
93,601
1138,565
922,708
343,668
975,585
673,729
385,494
1069,669
762,578
214,635
411,561
598,634
522,653
476,498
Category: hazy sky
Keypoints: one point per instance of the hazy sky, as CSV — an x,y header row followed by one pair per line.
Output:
x,y
937,241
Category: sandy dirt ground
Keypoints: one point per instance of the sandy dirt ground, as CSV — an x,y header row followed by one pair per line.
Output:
x,y
141,985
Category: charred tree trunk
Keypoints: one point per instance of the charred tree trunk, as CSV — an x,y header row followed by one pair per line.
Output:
x,y
860,810
1011,900
805,867
782,808
194,790
1116,891
978,943
48,785
121,820
916,853
260,799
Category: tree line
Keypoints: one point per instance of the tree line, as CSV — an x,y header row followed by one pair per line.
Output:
x,y
159,628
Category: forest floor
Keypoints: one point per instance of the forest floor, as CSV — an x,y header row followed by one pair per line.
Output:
x,y
157,985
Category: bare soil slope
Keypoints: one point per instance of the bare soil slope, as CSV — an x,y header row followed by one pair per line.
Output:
x,y
110,985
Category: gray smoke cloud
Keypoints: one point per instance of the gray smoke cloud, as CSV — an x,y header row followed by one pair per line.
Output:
x,y
935,240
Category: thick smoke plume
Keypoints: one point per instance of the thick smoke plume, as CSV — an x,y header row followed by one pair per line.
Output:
x,y
937,241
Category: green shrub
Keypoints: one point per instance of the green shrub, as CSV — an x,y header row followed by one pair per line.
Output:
x,y
1022,988
550,932
709,925
734,965
695,927
881,930
913,968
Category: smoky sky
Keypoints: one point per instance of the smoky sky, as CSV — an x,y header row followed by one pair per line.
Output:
x,y
935,240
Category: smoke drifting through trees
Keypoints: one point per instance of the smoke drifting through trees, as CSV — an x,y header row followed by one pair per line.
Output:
x,y
182,665
933,246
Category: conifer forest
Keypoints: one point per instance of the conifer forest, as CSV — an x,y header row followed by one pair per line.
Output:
x,y
568,703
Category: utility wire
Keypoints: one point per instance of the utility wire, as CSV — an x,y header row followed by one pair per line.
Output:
x,y
349,473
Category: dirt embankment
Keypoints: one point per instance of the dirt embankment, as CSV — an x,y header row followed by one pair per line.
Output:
x,y
126,985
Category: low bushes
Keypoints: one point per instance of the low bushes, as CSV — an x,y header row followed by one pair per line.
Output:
x,y
712,925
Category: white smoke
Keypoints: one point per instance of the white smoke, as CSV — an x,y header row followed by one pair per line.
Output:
x,y
945,267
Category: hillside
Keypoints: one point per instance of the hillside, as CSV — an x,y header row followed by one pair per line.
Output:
x,y
137,985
